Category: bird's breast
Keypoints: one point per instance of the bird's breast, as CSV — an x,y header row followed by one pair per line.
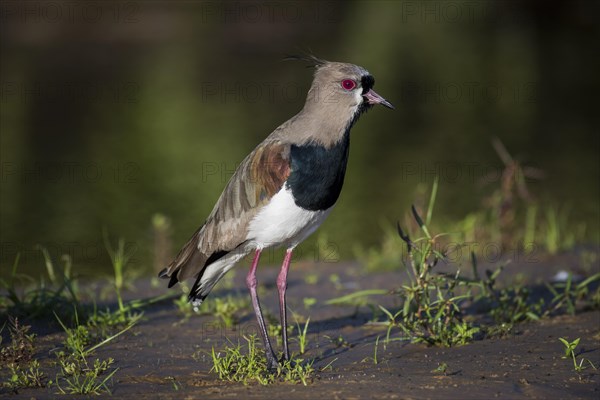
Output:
x,y
317,174
281,221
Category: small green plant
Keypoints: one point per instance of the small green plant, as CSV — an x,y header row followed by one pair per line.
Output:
x,y
311,278
513,305
392,321
568,294
81,377
17,356
441,308
30,376
338,341
569,348
79,337
431,303
182,302
105,322
21,347
35,299
329,366
235,366
516,303
275,330
375,360
173,380
442,368
63,297
301,338
226,309
335,279
119,257
78,374
184,307
296,372
431,311
309,302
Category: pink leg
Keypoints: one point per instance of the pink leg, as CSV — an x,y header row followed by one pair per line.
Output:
x,y
251,283
282,286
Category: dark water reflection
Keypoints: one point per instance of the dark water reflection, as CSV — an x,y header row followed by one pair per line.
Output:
x,y
146,107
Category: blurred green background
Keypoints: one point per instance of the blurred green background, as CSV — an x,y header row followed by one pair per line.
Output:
x,y
114,112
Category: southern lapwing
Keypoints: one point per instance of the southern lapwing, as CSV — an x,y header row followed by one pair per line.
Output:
x,y
282,191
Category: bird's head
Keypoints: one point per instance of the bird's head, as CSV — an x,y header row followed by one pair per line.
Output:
x,y
342,87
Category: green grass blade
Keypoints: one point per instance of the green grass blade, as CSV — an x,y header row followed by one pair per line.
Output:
x,y
356,295
432,200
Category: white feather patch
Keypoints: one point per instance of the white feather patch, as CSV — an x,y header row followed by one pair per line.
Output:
x,y
215,271
281,221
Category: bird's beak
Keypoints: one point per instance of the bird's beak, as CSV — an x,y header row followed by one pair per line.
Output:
x,y
374,98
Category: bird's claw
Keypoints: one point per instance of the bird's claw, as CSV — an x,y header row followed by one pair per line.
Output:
x,y
272,364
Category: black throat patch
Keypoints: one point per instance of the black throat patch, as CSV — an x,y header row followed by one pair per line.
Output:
x,y
317,173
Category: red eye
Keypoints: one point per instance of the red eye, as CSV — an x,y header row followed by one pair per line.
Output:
x,y
348,84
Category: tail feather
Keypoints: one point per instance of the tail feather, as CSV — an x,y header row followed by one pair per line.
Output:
x,y
164,274
173,281
187,260
196,289
207,266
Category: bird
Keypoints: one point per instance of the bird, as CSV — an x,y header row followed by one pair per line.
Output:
x,y
281,192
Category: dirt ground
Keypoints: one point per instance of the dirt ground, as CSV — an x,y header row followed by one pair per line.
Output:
x,y
163,357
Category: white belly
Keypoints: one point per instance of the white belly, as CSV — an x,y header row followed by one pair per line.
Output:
x,y
282,222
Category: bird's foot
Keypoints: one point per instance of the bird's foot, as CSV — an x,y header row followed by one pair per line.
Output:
x,y
272,364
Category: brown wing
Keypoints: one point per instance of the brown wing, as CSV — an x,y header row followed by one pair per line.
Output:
x,y
257,179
